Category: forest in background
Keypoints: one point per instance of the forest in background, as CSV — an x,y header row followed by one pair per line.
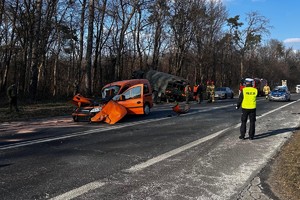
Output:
x,y
56,48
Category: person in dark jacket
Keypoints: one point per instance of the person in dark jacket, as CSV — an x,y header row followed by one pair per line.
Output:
x,y
199,93
12,97
247,100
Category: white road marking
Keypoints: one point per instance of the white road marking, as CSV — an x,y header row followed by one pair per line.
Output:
x,y
44,140
164,156
79,191
97,184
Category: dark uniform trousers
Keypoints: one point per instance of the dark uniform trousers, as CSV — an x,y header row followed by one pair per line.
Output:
x,y
252,117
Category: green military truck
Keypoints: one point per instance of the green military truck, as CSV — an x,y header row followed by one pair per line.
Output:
x,y
166,87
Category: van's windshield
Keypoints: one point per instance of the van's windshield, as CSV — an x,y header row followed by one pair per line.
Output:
x,y
110,91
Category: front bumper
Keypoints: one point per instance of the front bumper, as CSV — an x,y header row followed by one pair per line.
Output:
x,y
278,98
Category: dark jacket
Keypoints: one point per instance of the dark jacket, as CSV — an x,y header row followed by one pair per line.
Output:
x,y
12,91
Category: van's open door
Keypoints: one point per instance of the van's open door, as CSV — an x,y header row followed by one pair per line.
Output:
x,y
133,99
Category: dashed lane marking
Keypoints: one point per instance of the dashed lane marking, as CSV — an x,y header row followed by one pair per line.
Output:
x,y
79,191
98,130
189,145
97,184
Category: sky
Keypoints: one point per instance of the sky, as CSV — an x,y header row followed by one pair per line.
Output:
x,y
283,16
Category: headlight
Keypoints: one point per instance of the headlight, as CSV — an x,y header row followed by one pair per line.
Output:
x,y
96,110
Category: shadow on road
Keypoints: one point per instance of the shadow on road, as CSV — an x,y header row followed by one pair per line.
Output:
x,y
273,132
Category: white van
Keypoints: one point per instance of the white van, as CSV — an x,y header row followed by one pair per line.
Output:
x,y
297,88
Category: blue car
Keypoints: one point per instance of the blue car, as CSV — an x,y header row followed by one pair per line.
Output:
x,y
280,93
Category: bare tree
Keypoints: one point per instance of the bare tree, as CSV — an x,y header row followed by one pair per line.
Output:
x,y
123,17
102,34
250,36
35,49
49,45
80,62
10,40
217,15
181,26
158,18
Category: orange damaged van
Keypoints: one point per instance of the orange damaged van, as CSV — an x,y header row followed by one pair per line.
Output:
x,y
134,94
136,98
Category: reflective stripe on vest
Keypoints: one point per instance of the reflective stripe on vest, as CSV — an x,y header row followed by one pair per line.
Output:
x,y
249,101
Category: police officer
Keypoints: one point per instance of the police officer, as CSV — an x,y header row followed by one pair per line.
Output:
x,y
247,100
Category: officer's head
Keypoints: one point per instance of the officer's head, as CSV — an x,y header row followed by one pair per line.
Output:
x,y
248,83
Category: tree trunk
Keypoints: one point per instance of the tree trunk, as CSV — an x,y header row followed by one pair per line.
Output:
x,y
242,68
88,77
80,65
98,49
35,52
156,47
125,23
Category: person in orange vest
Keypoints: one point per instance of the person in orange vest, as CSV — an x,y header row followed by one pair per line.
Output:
x,y
195,92
247,100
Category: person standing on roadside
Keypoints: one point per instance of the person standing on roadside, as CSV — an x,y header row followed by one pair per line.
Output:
x,y
187,91
247,100
210,90
195,88
199,93
12,97
266,90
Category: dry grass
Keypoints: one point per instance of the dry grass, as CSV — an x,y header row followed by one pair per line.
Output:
x,y
284,178
33,111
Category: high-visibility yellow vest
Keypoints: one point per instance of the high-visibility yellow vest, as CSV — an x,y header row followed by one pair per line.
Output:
x,y
249,101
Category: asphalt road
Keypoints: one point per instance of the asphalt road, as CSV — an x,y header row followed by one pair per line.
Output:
x,y
161,156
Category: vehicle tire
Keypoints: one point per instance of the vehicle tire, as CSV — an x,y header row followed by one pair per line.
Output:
x,y
75,118
225,96
232,95
146,109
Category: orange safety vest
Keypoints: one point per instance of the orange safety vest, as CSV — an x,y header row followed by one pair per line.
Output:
x,y
195,88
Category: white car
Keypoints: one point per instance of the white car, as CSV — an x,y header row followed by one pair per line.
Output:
x,y
223,93
297,88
